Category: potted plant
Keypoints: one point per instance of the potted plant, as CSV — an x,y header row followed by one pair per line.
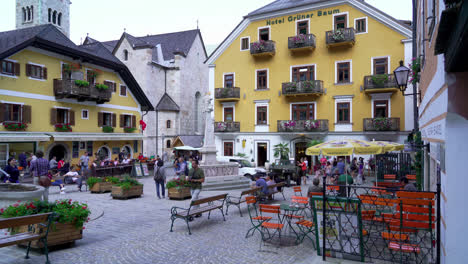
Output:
x,y
178,189
311,124
15,126
338,35
299,39
379,79
382,123
308,85
415,67
107,129
127,188
221,126
69,222
281,150
100,185
291,87
259,46
81,83
63,127
101,87
289,125
129,129
68,68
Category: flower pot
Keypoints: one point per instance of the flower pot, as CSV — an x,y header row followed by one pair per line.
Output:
x,y
134,192
179,193
101,187
59,234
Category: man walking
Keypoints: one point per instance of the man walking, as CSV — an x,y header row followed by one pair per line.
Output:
x,y
84,163
40,169
160,178
196,177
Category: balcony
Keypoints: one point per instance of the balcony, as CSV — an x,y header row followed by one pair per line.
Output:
x,y
301,42
226,126
380,83
320,125
303,88
227,94
381,124
81,91
340,37
263,48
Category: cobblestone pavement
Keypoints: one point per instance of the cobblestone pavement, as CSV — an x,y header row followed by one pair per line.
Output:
x,y
137,231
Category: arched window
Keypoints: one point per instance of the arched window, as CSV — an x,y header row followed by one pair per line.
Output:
x,y
59,20
29,13
50,15
197,112
24,14
54,17
32,12
168,124
168,144
125,55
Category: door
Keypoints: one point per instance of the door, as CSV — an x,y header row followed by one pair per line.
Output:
x,y
261,154
228,148
300,152
380,108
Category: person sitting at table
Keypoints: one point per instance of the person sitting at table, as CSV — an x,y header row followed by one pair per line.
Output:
x,y
269,182
260,182
408,185
75,177
314,188
116,161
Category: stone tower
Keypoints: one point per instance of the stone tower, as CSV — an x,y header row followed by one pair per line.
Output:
x,y
31,13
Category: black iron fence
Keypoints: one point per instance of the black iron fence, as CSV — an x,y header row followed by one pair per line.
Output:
x,y
398,164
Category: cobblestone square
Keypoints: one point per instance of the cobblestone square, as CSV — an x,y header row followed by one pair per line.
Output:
x,y
137,231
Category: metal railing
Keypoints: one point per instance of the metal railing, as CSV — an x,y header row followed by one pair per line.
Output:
x,y
303,87
379,81
262,46
301,41
226,126
381,124
320,125
227,92
340,36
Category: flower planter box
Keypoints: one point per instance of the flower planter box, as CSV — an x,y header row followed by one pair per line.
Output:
x,y
59,234
101,187
134,192
179,193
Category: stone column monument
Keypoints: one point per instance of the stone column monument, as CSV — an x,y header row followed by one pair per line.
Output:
x,y
209,147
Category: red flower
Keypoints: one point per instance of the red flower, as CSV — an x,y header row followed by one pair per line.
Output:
x,y
15,205
19,201
84,207
83,227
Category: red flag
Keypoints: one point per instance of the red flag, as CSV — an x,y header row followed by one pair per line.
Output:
x,y
143,125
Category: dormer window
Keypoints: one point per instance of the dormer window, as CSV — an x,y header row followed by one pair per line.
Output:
x,y
125,55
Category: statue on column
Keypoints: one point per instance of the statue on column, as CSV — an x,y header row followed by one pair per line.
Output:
x,y
209,148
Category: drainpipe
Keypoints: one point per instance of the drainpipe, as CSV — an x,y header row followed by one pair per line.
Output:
x,y
415,51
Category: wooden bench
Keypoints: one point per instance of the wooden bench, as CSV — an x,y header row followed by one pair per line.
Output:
x,y
276,188
43,221
238,200
205,205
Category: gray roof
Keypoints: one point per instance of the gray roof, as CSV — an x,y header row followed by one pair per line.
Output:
x,y
167,104
192,141
176,42
282,4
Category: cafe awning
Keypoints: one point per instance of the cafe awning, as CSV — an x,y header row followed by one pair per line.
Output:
x,y
70,136
186,148
18,136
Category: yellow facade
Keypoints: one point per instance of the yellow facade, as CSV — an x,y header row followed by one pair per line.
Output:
x,y
379,41
39,94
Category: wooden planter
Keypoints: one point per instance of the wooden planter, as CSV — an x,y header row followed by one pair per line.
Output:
x,y
179,193
134,192
101,187
59,234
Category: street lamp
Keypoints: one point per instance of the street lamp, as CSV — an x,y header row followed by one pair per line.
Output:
x,y
401,76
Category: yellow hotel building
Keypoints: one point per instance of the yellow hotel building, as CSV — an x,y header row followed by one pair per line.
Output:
x,y
293,71
66,99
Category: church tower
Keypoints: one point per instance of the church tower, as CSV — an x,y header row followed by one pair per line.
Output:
x,y
31,13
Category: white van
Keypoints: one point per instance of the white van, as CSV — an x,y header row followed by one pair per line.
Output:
x,y
246,168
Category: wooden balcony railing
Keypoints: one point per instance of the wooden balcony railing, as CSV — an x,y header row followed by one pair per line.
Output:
x,y
382,124
263,47
301,42
303,87
379,81
226,126
343,36
227,93
320,125
69,88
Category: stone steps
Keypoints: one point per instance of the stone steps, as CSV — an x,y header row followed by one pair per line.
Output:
x,y
226,183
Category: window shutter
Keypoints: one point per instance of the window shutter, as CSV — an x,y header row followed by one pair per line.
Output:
x,y
17,69
2,112
27,114
114,121
72,117
28,69
122,120
53,116
100,119
44,73
133,121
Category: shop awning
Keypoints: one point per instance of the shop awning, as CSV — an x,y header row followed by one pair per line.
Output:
x,y
70,136
23,137
186,148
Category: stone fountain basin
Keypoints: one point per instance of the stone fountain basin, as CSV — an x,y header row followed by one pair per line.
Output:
x,y
11,193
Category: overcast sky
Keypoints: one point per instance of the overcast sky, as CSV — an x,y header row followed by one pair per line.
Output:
x,y
106,19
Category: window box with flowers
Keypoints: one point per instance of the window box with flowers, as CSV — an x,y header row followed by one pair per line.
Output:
x,y
100,185
382,124
63,127
107,129
15,126
221,126
69,222
289,125
310,125
178,189
262,47
129,129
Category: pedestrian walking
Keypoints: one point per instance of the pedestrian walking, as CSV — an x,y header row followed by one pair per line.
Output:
x,y
160,178
84,163
196,178
40,169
